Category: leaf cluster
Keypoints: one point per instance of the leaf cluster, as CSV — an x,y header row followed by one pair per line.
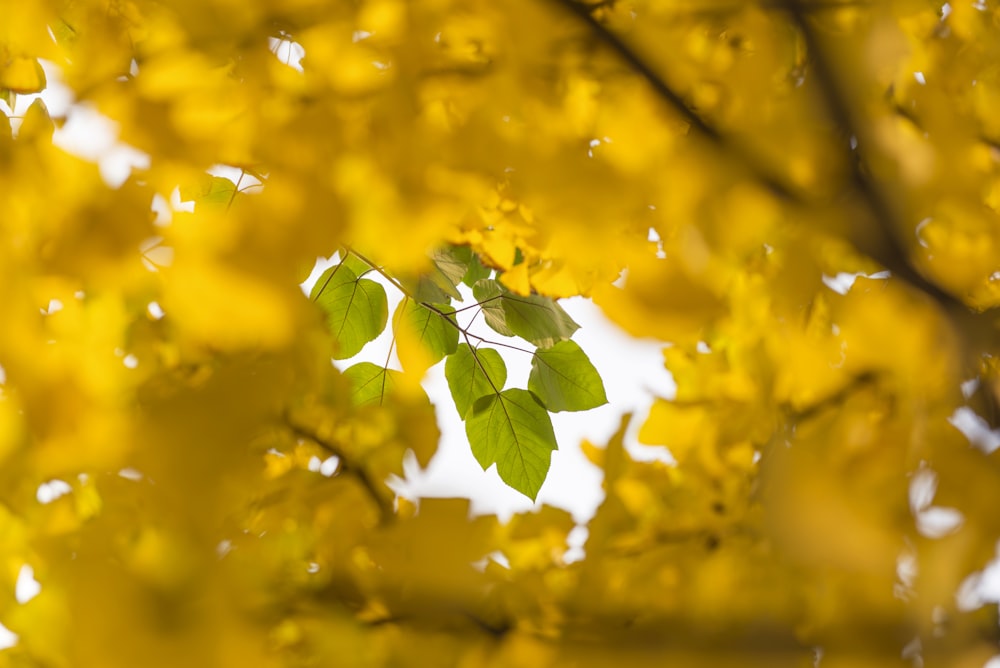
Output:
x,y
506,427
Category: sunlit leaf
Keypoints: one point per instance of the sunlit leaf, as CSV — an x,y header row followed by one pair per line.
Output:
x,y
355,264
564,378
356,308
448,271
426,289
473,373
475,269
512,430
537,319
370,383
516,280
489,295
423,335
212,192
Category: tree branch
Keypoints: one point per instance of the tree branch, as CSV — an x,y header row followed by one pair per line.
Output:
x,y
977,333
346,465
888,249
676,101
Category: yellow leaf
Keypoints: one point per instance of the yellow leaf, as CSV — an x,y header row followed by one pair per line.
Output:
x,y
516,279
226,308
22,75
37,124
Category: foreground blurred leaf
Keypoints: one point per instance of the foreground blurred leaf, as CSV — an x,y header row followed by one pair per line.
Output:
x,y
423,336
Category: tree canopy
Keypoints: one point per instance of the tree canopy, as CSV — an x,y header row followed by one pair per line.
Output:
x,y
798,197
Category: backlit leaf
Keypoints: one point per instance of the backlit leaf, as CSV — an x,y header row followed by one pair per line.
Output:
x,y
474,373
426,289
448,271
475,269
439,283
356,308
423,335
370,383
512,430
565,380
356,264
488,294
534,318
334,276
215,192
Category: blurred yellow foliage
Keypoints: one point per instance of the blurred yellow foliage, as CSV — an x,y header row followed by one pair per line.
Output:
x,y
799,199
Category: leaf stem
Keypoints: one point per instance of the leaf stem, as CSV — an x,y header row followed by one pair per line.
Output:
x,y
472,306
431,307
482,367
236,189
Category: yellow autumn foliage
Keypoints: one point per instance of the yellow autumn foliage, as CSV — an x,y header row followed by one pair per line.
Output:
x,y
799,199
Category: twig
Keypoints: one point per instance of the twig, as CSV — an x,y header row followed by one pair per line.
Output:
x,y
346,466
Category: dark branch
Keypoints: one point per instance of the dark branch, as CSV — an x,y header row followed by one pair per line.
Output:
x,y
888,249
886,246
346,466
676,101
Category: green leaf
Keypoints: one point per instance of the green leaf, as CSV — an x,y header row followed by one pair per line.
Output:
x,y
477,271
461,265
565,380
473,373
356,308
355,264
209,191
423,336
439,285
450,267
370,383
426,289
489,295
334,276
534,318
513,430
